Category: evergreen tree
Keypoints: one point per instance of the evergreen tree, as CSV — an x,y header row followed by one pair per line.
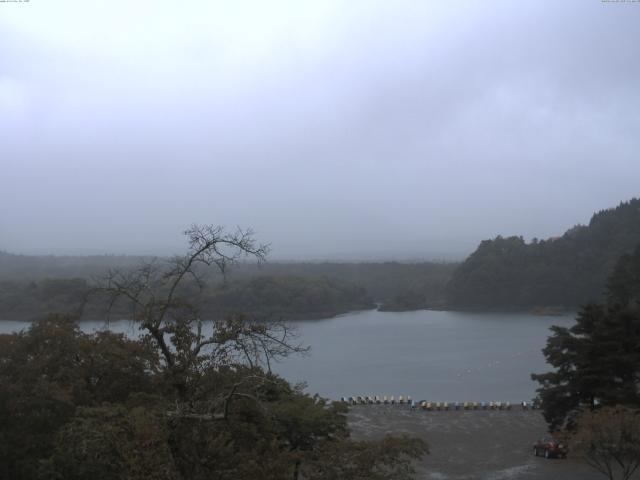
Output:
x,y
597,360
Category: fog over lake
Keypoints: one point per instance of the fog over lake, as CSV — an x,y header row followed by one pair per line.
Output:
x,y
440,356
337,130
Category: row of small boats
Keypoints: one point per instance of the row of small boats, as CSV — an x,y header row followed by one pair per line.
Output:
x,y
376,400
431,406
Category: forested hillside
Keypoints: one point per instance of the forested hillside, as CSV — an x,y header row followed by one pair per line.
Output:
x,y
566,272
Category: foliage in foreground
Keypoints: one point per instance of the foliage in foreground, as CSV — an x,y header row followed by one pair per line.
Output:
x,y
609,440
101,406
187,400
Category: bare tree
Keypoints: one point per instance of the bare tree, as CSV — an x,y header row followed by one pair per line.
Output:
x,y
609,440
157,295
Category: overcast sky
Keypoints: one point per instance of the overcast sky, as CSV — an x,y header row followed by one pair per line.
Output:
x,y
353,129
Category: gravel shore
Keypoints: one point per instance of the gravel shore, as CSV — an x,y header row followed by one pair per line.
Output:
x,y
468,445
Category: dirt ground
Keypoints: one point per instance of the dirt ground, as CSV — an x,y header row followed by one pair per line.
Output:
x,y
487,445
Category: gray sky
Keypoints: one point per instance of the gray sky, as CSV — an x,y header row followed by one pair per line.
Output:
x,y
354,129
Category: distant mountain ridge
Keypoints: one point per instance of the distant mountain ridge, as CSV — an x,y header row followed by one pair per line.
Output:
x,y
566,271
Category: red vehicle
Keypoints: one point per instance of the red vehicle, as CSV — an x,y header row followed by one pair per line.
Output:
x,y
550,447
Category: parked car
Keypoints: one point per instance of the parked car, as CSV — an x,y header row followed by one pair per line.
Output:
x,y
550,447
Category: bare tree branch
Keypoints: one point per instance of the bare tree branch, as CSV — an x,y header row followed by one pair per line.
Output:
x,y
155,294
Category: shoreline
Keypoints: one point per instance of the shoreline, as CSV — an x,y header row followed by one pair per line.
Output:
x,y
315,316
549,311
470,445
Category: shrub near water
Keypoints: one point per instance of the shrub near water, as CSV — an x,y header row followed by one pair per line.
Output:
x,y
77,406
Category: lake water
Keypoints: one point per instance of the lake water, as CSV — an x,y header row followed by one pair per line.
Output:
x,y
439,356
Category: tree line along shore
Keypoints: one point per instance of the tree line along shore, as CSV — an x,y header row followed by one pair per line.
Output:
x,y
545,276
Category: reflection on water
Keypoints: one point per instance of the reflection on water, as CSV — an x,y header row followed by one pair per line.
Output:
x,y
439,356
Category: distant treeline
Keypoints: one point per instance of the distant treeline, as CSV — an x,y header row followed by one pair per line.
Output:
x,y
38,267
568,271
504,273
34,285
395,285
284,297
261,298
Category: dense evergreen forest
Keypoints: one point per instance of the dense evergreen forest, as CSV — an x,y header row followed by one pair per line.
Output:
x,y
509,273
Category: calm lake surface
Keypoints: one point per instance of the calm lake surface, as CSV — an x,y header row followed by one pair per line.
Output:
x,y
438,356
